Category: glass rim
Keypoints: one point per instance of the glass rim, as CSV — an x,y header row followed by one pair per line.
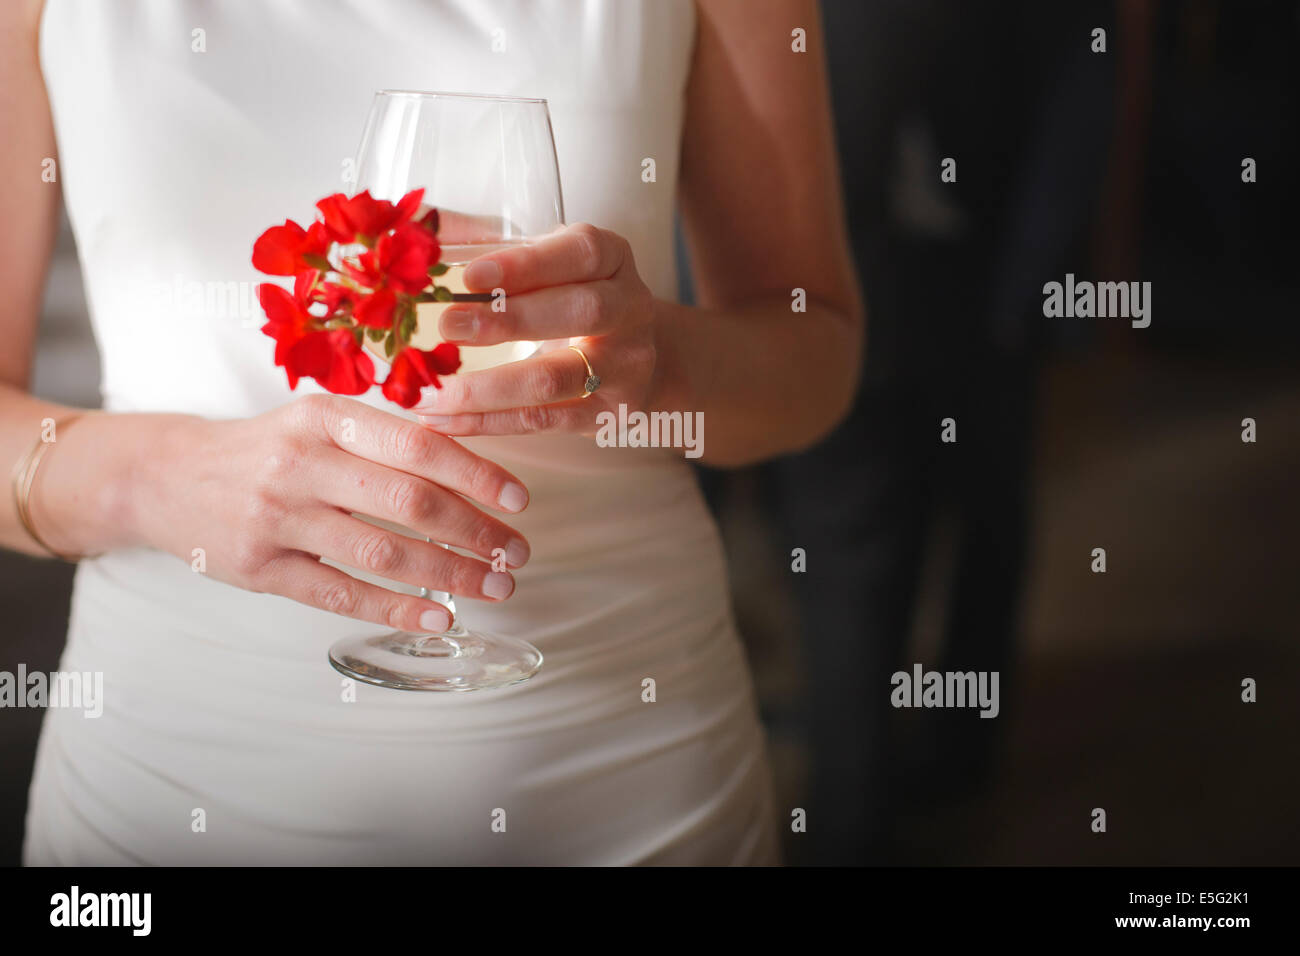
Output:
x,y
431,94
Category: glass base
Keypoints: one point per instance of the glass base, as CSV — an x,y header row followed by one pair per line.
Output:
x,y
456,660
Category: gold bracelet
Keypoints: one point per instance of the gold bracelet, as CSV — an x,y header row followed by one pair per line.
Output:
x,y
25,478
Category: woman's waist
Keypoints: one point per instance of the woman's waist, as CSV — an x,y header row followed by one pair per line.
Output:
x,y
170,641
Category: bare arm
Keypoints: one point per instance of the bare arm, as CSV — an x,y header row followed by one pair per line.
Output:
x,y
79,500
762,210
29,208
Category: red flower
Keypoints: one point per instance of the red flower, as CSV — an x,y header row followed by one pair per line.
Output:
x,y
347,219
406,255
336,296
305,284
287,323
364,270
334,359
376,310
319,328
408,205
284,250
413,370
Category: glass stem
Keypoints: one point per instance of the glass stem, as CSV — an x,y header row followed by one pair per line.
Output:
x,y
442,597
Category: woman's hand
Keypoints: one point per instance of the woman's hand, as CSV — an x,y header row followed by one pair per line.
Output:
x,y
266,497
579,283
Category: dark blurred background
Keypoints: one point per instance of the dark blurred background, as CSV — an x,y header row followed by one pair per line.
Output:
x,y
1119,690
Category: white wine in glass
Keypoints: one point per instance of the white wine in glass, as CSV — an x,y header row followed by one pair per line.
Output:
x,y
487,164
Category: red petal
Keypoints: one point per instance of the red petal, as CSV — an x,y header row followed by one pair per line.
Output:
x,y
369,216
445,358
276,251
414,369
304,287
279,306
282,349
405,379
406,255
334,218
335,296
397,386
376,309
365,270
286,323
408,205
317,241
335,360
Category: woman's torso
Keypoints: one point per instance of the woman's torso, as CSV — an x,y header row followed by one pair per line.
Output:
x,y
176,149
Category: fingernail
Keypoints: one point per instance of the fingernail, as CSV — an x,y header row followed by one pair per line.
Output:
x,y
517,552
498,585
483,274
459,325
435,620
434,420
513,497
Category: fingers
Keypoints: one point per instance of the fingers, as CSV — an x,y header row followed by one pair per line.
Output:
x,y
573,416
560,312
555,376
397,557
307,581
385,439
578,253
357,485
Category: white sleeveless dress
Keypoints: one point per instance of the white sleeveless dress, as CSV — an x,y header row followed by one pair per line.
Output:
x,y
226,737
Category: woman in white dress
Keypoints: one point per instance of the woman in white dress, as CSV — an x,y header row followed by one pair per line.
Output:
x,y
180,129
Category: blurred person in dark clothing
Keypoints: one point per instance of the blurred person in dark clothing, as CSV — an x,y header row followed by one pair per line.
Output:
x,y
953,273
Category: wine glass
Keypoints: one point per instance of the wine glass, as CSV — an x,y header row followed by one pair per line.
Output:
x,y
487,164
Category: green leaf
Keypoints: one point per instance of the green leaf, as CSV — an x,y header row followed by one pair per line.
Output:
x,y
356,334
439,269
376,334
390,344
318,262
442,294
